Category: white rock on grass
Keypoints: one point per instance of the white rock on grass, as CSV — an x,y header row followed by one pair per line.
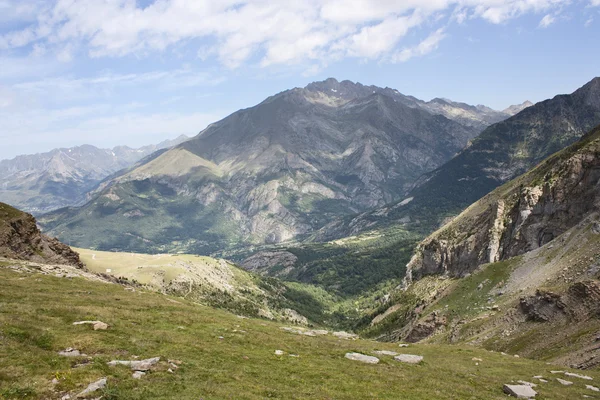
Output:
x,y
564,382
71,352
594,388
278,352
345,335
92,387
385,353
97,325
138,374
572,375
557,372
403,345
527,383
409,358
519,391
362,358
142,365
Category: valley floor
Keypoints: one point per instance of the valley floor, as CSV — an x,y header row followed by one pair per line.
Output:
x,y
221,355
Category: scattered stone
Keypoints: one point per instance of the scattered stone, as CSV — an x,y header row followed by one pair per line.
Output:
x,y
138,374
170,371
557,372
55,381
71,352
362,358
495,307
97,325
345,335
594,388
294,355
519,391
92,387
517,356
409,358
476,359
564,382
66,397
572,375
503,353
538,377
176,362
278,352
174,366
542,380
321,332
385,353
143,365
403,345
527,383
221,337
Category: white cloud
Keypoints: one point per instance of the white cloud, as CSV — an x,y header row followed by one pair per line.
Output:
x,y
589,21
595,3
236,31
547,21
425,47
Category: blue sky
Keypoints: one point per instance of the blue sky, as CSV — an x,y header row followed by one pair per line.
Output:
x,y
121,72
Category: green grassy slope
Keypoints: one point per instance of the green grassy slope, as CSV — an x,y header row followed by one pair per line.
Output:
x,y
222,356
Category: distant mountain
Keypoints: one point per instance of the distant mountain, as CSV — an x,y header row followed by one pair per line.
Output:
x,y
44,182
515,109
500,153
273,172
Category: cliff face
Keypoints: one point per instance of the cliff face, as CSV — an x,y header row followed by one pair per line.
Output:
x,y
518,217
21,239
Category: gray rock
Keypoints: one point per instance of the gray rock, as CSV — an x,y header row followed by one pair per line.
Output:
x,y
519,391
362,358
97,325
278,352
138,374
70,352
92,387
527,383
403,345
409,358
564,382
385,353
594,388
572,375
345,335
142,365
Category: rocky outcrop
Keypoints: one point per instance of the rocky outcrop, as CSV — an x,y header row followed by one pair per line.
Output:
x,y
519,217
21,239
579,303
264,261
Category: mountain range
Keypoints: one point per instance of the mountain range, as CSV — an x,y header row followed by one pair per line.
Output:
x,y
276,171
44,182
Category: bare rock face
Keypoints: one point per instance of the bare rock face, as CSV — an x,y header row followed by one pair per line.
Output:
x,y
580,302
21,239
426,327
264,261
523,216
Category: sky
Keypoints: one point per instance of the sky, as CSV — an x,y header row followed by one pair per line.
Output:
x,y
126,72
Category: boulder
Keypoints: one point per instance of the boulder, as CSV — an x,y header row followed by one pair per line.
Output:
x,y
572,375
409,358
564,382
519,391
345,335
71,352
138,374
362,358
594,388
142,365
92,387
385,353
97,325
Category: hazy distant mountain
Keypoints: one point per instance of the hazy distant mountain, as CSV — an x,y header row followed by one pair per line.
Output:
x,y
517,108
275,171
43,182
